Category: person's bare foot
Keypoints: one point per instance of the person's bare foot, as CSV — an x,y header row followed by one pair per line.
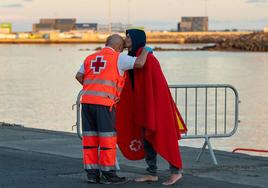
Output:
x,y
174,178
147,178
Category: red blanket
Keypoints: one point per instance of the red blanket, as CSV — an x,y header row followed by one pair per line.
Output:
x,y
149,112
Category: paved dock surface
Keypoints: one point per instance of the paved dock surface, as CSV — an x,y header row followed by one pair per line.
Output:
x,y
35,158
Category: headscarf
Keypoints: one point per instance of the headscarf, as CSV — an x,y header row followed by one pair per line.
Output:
x,y
138,39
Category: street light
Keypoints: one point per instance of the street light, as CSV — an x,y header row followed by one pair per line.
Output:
x,y
128,13
110,17
206,8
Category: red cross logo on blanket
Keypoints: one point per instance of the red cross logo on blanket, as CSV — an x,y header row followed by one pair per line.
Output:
x,y
98,64
135,145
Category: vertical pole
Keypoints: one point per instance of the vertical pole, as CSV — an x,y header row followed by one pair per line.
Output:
x,y
117,166
206,8
128,13
78,125
206,112
176,96
78,114
110,17
186,106
195,111
216,110
225,108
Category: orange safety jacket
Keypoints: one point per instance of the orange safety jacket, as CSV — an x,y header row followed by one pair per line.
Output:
x,y
102,83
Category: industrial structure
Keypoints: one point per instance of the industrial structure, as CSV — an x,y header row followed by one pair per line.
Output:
x,y
62,25
67,25
191,24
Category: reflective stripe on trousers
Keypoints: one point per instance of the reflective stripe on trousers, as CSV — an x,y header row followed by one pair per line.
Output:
x,y
99,150
97,166
90,150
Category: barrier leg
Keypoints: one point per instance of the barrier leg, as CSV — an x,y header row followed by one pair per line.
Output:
x,y
117,165
78,119
211,152
202,151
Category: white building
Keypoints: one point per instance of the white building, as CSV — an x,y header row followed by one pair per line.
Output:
x,y
8,36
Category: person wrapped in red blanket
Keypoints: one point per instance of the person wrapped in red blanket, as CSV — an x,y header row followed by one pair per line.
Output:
x,y
147,119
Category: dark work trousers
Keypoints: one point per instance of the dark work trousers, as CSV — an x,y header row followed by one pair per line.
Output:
x,y
151,159
100,119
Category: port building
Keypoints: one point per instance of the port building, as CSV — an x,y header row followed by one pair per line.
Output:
x,y
62,25
193,24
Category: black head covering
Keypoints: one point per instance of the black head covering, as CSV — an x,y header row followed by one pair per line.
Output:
x,y
138,39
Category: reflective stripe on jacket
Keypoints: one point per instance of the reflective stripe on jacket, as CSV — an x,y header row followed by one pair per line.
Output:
x,y
102,81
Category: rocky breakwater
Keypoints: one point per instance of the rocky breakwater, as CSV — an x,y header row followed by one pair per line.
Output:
x,y
223,41
254,42
210,37
165,37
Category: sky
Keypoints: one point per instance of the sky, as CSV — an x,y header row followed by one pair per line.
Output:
x,y
152,14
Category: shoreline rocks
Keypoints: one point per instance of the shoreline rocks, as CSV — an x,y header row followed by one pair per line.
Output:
x,y
255,42
3,124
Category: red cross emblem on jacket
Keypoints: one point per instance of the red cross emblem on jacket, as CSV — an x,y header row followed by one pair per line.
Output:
x,y
98,64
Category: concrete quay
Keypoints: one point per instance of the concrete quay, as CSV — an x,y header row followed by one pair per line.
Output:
x,y
152,37
41,158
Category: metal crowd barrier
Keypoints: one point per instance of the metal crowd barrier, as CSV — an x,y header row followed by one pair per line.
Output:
x,y
209,111
78,115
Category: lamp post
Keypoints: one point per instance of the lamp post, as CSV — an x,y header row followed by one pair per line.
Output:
x,y
110,17
128,13
206,8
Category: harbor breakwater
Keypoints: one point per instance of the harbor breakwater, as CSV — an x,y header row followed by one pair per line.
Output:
x,y
223,41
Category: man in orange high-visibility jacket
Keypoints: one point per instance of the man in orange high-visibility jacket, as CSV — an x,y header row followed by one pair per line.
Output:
x,y
102,76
